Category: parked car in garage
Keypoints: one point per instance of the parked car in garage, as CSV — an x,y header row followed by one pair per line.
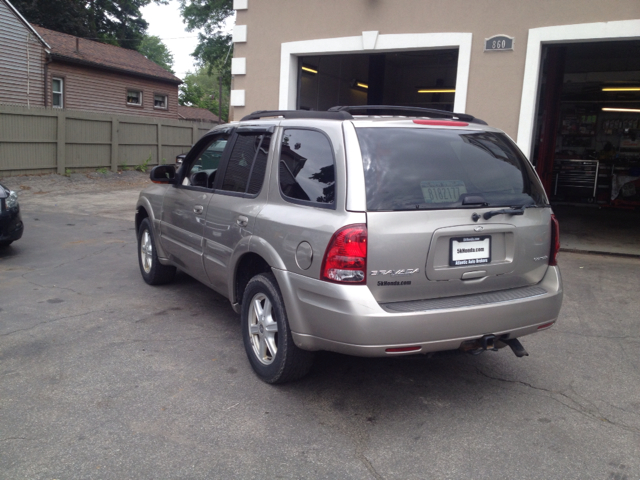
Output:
x,y
408,231
11,226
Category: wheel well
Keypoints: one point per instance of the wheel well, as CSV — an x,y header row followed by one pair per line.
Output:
x,y
249,266
141,214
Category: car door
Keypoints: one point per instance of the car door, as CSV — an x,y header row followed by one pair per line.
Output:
x,y
184,205
239,196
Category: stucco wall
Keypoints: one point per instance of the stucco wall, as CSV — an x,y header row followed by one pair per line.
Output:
x,y
495,78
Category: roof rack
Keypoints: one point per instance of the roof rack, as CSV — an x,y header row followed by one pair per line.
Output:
x,y
330,115
347,112
397,110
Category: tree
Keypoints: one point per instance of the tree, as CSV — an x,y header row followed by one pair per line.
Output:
x,y
118,22
156,51
201,89
214,48
67,16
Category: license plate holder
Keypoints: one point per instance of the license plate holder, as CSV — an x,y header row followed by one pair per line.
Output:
x,y
470,250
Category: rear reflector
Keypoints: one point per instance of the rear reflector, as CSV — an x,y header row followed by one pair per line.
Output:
x,y
441,123
546,325
403,349
555,241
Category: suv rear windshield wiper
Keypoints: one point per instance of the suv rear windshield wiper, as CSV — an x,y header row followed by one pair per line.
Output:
x,y
504,211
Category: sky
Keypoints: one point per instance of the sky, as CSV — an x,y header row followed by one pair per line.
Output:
x,y
165,22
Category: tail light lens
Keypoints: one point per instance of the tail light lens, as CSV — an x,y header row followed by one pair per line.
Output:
x,y
345,260
555,241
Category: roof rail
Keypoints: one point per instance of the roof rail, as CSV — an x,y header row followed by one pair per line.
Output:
x,y
398,110
333,115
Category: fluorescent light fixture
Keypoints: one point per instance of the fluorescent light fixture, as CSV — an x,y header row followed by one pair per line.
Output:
x,y
359,85
436,90
309,69
631,110
621,89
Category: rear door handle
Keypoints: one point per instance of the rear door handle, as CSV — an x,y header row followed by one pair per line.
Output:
x,y
198,209
242,221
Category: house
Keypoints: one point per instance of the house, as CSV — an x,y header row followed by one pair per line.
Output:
x,y
197,114
53,69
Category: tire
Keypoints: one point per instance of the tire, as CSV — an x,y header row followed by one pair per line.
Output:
x,y
6,243
267,336
153,272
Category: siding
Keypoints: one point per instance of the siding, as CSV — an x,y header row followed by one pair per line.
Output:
x,y
21,62
95,90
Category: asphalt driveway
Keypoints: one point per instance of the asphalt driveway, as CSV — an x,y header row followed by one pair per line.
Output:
x,y
103,376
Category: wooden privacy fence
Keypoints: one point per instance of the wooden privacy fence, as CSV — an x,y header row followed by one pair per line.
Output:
x,y
44,140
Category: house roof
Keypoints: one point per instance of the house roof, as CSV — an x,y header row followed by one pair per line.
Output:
x,y
101,55
196,113
27,24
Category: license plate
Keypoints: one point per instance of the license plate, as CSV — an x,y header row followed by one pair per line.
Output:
x,y
442,191
470,251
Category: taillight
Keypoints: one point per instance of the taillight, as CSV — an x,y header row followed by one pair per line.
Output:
x,y
555,241
345,260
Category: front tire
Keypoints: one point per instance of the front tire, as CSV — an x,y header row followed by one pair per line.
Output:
x,y
267,336
153,272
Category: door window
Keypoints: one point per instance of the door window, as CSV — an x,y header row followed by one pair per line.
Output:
x,y
307,167
247,164
202,172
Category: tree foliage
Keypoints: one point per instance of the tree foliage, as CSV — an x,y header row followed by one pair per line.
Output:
x,y
201,89
152,47
214,49
118,22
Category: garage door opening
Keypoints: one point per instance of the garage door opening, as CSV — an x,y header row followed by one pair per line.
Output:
x,y
587,148
410,78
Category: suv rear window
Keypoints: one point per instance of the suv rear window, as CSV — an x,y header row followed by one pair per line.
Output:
x,y
411,168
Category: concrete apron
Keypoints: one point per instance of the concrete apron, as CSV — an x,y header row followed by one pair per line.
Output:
x,y
599,230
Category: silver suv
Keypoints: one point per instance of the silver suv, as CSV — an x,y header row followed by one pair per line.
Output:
x,y
390,232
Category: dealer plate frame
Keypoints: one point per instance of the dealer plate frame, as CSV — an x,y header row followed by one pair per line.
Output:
x,y
474,241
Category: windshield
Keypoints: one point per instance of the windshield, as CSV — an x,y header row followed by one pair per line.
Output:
x,y
411,168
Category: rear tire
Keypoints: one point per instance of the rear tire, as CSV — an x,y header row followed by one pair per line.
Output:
x,y
267,336
153,272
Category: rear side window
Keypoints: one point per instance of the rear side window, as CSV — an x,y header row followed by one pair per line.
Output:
x,y
247,164
307,168
411,168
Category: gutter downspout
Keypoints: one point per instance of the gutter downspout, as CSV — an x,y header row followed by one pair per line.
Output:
x,y
28,69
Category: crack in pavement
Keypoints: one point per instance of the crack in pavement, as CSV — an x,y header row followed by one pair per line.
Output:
x,y
47,322
577,408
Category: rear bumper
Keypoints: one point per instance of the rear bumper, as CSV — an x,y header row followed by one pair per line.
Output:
x,y
11,226
347,319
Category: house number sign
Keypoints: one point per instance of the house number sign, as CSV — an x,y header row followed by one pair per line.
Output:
x,y
498,43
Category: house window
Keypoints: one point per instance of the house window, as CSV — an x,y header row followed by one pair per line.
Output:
x,y
57,87
160,101
134,97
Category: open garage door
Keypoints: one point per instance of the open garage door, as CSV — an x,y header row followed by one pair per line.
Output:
x,y
587,149
409,78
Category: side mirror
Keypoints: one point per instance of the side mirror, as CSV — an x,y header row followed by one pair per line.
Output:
x,y
163,174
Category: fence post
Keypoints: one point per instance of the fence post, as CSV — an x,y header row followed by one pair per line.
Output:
x,y
61,143
195,133
115,126
159,125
